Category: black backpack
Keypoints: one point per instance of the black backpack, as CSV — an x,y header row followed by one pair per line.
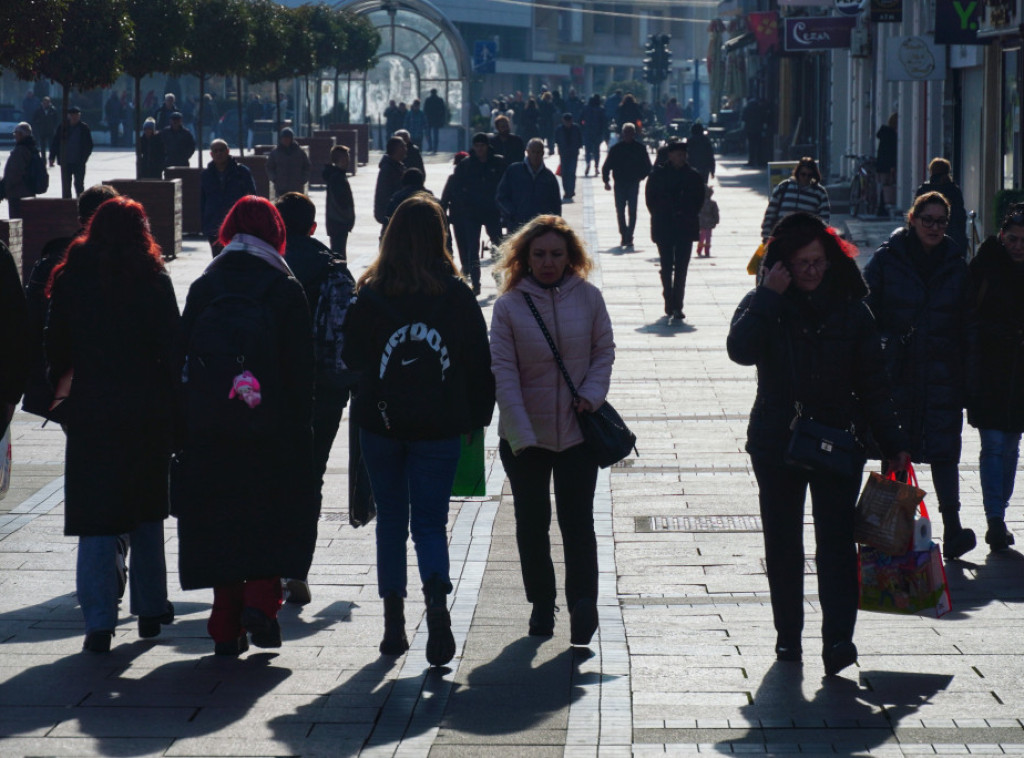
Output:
x,y
410,385
234,332
337,293
37,179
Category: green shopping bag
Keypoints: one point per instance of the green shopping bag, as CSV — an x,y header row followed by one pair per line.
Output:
x,y
469,476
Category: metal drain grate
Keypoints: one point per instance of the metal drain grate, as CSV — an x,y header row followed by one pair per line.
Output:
x,y
698,524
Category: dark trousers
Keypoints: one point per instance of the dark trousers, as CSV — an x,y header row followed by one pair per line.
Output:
x,y
69,172
433,133
339,244
568,164
575,474
626,197
467,237
327,410
675,260
229,600
781,491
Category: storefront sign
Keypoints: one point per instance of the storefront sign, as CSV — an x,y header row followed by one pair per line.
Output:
x,y
998,17
765,27
914,59
817,33
886,11
849,7
956,22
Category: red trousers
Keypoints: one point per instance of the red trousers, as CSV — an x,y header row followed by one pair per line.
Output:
x,y
225,624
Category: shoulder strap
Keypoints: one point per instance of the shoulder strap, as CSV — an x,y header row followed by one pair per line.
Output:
x,y
551,344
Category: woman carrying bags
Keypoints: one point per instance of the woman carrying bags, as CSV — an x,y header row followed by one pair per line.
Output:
x,y
813,341
419,338
545,267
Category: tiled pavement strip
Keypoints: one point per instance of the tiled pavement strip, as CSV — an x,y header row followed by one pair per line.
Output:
x,y
683,663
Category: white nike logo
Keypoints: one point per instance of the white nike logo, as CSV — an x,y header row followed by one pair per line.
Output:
x,y
407,362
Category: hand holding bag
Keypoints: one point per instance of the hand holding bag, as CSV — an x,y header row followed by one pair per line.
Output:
x,y
885,513
605,434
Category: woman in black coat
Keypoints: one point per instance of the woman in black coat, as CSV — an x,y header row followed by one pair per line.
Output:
x,y
814,343
995,360
244,494
149,153
111,346
918,283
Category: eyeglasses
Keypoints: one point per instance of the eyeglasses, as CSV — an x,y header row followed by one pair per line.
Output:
x,y
821,264
931,222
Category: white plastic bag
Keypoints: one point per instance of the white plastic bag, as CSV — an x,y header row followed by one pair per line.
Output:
x,y
5,463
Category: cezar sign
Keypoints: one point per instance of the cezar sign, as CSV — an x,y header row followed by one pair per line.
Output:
x,y
817,33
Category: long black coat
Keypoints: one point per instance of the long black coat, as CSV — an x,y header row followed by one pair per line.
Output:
x,y
995,336
14,367
922,322
121,340
820,348
674,198
246,509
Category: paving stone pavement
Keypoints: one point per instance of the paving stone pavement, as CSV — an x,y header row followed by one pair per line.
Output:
x,y
683,663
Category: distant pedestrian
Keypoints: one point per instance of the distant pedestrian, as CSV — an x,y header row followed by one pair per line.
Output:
x,y
223,183
568,140
629,162
595,129
16,180
288,165
701,152
44,124
475,187
436,113
675,195
629,112
416,124
708,220
112,348
545,267
504,143
112,114
71,147
802,191
389,178
29,103
528,189
886,157
546,118
341,209
529,121
755,125
413,156
411,184
940,179
179,144
245,496
149,153
813,340
394,119
162,115
419,338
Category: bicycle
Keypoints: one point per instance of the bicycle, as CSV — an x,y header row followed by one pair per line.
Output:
x,y
863,187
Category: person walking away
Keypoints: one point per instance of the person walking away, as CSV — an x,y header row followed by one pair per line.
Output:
x,y
708,220
802,191
244,489
674,195
394,119
17,179
545,267
436,113
940,179
595,129
416,124
341,209
885,164
223,183
413,156
568,140
629,112
701,152
476,182
812,338
389,178
417,335
510,147
288,165
412,184
113,355
71,147
15,331
529,120
528,189
546,121
149,152
629,162
112,115
918,282
995,362
44,124
179,144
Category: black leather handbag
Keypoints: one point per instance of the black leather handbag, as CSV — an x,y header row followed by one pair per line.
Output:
x,y
817,447
605,434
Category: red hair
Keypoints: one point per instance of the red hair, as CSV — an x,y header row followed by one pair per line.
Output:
x,y
256,216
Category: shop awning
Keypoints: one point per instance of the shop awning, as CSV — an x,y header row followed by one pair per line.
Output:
x,y
738,43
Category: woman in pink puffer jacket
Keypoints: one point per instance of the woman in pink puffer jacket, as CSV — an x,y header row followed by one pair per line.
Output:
x,y
539,432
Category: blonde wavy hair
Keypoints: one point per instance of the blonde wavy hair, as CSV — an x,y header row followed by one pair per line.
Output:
x,y
515,251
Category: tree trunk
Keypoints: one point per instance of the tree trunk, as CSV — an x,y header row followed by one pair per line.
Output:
x,y
241,126
277,105
65,104
199,119
138,120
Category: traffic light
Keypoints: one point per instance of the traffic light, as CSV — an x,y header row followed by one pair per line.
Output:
x,y
665,47
651,60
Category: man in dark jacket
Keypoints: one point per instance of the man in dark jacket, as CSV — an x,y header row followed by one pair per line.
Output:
x,y
179,144
44,124
15,181
506,144
528,188
675,194
476,182
389,178
569,140
435,111
223,183
71,147
701,152
341,209
629,162
413,156
14,367
163,113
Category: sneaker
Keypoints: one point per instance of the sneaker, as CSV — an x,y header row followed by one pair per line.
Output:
x,y
98,642
542,619
231,647
298,592
583,621
264,631
838,657
998,536
149,626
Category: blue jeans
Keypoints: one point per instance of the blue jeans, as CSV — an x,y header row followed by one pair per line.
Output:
x,y
626,197
412,485
998,468
96,578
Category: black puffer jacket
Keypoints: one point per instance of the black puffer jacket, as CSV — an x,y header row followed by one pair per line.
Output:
x,y
819,348
674,198
920,302
995,336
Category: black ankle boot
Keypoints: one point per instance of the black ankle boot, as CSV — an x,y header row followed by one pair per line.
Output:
x,y
955,539
440,640
395,642
998,536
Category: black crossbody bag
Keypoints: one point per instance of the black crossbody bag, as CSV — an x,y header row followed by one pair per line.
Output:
x,y
605,434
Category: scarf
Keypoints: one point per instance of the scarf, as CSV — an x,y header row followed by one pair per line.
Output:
x,y
257,248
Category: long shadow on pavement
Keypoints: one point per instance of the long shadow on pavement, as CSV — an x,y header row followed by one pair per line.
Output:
x,y
999,577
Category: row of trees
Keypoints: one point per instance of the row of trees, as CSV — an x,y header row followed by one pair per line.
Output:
x,y
87,44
